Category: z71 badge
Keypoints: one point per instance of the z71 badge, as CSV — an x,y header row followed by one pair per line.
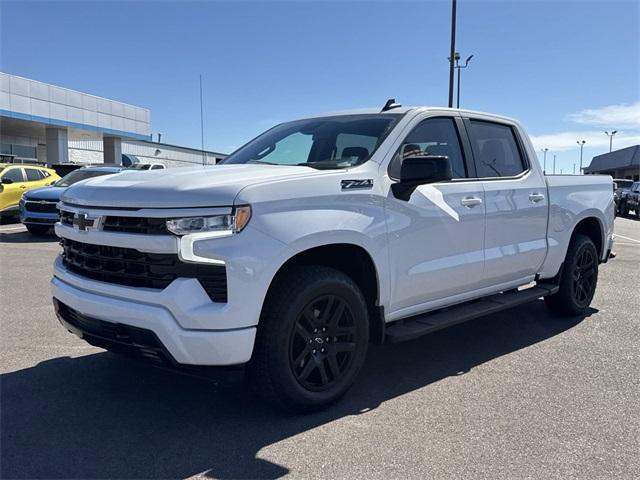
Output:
x,y
357,184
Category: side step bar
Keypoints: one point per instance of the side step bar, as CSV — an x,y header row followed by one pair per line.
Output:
x,y
414,327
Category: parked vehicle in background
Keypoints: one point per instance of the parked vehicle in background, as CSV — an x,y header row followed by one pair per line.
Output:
x,y
621,188
16,179
38,211
323,235
632,200
147,166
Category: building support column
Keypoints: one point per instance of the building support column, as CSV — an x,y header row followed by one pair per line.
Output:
x,y
57,146
112,150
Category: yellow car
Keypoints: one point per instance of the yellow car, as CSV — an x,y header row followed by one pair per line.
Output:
x,y
15,179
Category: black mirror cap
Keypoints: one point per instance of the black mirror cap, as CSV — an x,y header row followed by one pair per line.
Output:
x,y
7,181
420,170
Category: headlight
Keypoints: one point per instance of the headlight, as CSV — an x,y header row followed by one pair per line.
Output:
x,y
227,223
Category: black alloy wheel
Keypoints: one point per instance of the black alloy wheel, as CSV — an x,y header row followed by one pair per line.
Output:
x,y
312,339
322,343
584,276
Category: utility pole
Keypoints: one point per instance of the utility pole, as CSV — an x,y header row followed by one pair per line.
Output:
x,y
554,163
610,135
544,164
453,51
204,158
581,143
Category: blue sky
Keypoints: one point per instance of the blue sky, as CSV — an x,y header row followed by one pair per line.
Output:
x,y
568,70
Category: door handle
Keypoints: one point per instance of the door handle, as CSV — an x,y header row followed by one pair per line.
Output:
x,y
23,186
536,197
471,201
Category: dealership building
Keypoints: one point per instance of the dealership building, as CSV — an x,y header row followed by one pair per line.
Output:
x,y
623,163
53,125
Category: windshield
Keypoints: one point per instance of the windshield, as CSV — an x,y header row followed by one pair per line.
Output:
x,y
77,175
327,142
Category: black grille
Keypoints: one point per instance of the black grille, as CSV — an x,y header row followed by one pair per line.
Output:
x,y
126,266
41,207
116,337
113,223
66,218
149,226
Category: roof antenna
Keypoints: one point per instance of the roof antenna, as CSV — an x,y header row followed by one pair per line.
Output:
x,y
391,103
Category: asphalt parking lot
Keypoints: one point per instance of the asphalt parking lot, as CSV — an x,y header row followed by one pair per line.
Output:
x,y
520,394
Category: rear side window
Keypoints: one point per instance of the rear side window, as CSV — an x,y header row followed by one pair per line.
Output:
x,y
496,150
33,175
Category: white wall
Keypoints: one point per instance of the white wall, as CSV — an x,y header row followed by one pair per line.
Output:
x,y
30,97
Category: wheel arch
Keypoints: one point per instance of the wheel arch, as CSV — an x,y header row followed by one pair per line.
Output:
x,y
592,228
354,261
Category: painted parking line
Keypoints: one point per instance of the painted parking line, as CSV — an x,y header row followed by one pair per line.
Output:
x,y
627,238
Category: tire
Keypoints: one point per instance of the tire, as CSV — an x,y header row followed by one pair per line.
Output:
x,y
37,229
578,279
624,211
296,365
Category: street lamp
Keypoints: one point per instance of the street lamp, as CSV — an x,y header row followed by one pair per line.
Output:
x,y
460,67
554,163
581,143
610,135
453,50
544,164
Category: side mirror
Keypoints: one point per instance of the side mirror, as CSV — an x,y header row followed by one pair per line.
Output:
x,y
7,181
420,170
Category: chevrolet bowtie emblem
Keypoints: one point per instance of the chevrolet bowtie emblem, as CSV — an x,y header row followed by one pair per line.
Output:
x,y
82,221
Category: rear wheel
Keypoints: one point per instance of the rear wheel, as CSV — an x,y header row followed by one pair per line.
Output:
x,y
37,229
578,278
312,339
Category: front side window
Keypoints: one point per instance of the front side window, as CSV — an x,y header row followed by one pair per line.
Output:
x,y
434,136
496,150
327,142
13,174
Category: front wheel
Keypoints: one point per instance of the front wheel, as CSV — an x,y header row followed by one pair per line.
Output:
x,y
578,278
312,339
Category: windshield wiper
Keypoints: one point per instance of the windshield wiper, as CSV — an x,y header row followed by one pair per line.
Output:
x,y
262,162
324,165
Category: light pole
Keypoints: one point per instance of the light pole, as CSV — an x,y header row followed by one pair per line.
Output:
x,y
610,135
554,163
453,51
544,162
459,67
581,143
574,168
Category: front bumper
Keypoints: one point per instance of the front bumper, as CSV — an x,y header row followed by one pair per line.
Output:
x,y
38,218
182,346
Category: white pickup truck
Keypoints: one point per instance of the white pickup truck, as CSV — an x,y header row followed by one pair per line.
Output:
x,y
323,235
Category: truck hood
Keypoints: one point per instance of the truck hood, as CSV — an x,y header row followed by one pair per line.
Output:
x,y
177,187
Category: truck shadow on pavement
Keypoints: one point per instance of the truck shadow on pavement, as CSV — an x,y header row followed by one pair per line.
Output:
x,y
26,237
102,416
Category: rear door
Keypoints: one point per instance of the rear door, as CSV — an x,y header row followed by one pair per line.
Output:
x,y
436,236
516,203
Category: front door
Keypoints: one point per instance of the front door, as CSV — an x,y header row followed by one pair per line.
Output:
x,y
11,192
436,237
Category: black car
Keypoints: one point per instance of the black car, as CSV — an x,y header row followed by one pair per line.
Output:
x,y
621,188
631,200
